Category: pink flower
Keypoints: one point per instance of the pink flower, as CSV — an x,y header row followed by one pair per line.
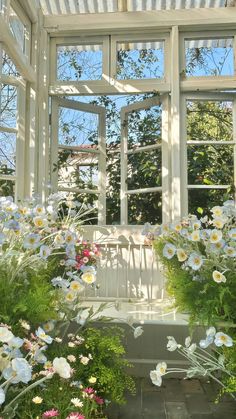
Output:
x,y
89,390
75,415
98,400
50,414
86,252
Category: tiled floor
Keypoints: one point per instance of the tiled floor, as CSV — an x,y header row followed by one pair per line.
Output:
x,y
176,399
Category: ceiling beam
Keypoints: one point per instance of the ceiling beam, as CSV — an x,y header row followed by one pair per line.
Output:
x,y
31,9
185,18
15,53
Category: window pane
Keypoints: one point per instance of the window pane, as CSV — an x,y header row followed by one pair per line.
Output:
x,y
144,169
7,153
210,165
113,184
77,170
85,206
18,29
210,121
209,57
140,60
143,208
7,187
79,62
77,128
8,106
8,67
144,127
202,200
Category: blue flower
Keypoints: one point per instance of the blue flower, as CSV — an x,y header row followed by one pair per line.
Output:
x,y
232,233
12,225
60,282
39,355
44,252
88,268
70,251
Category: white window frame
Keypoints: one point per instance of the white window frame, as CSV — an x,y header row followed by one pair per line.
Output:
x,y
164,189
27,24
161,84
100,191
200,97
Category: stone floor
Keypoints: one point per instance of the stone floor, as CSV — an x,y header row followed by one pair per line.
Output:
x,y
176,399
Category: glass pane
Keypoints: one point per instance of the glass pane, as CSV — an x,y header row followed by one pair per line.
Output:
x,y
77,128
77,170
144,169
143,208
7,187
113,185
140,60
209,57
8,106
144,127
8,67
7,153
85,206
210,165
17,28
79,62
210,121
200,201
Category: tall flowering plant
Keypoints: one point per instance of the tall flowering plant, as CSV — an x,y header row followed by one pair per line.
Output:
x,y
43,258
199,257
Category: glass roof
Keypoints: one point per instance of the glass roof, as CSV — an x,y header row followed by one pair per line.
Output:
x,y
60,7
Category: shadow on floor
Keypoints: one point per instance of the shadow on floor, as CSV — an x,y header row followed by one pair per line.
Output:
x,y
176,399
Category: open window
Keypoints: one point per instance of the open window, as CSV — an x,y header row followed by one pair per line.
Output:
x,y
78,152
144,153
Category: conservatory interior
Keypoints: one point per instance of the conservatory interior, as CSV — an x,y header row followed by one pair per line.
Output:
x,y
117,209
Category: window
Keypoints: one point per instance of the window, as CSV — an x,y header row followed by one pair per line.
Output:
x,y
20,27
210,150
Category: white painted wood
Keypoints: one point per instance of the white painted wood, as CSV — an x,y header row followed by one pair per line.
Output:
x,y
175,125
31,9
101,151
190,19
14,52
166,155
20,144
144,190
127,268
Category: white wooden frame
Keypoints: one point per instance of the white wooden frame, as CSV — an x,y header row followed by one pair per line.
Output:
x,y
124,192
161,84
206,82
201,97
101,151
27,25
102,40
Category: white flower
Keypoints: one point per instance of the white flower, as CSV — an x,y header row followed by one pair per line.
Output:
x,y
70,238
223,339
219,222
230,251
18,371
161,368
76,286
88,277
195,261
211,331
215,236
71,358
24,324
70,296
2,396
77,402
172,345
217,211
31,241
181,255
40,222
156,378
232,233
92,380
195,236
45,251
40,333
218,277
169,250
138,331
59,240
62,367
37,400
84,360
39,210
5,335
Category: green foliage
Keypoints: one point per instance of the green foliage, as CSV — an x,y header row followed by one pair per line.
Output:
x,y
30,297
204,300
